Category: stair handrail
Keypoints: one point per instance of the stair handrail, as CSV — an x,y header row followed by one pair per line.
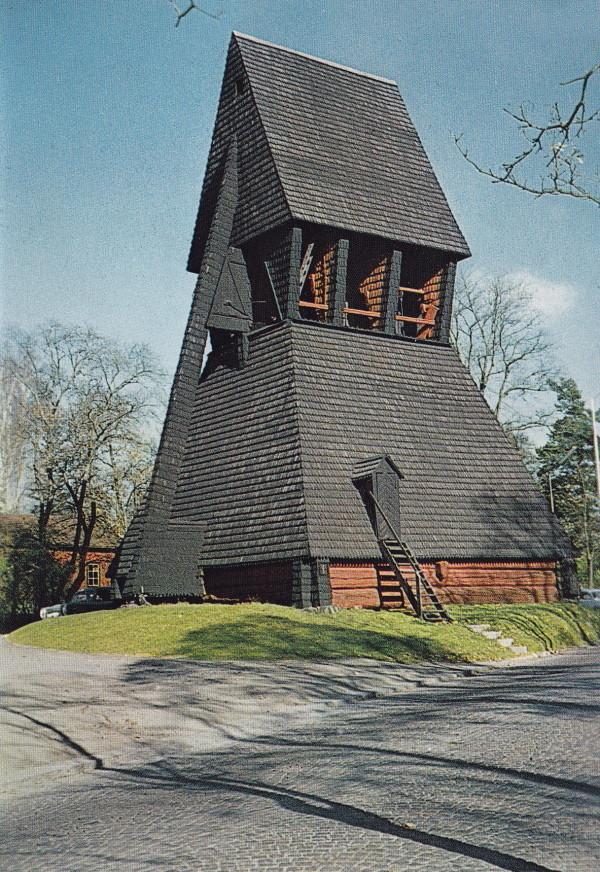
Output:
x,y
417,595
419,575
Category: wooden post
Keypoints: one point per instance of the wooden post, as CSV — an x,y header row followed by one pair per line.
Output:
x,y
447,297
339,295
321,587
301,583
390,299
419,609
293,295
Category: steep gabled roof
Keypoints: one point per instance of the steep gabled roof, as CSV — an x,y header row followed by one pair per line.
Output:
x,y
322,143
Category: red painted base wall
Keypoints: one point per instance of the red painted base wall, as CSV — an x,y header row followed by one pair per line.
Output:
x,y
355,584
494,582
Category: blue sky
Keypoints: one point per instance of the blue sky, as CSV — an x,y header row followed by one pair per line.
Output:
x,y
109,109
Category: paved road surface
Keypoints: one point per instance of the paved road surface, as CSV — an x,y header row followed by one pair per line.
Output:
x,y
497,771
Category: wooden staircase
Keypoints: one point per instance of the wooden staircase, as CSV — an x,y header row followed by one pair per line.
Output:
x,y
410,580
402,579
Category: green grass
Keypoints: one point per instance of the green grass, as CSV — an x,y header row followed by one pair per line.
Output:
x,y
268,632
542,627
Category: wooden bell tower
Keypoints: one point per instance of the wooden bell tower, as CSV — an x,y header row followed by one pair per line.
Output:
x,y
326,253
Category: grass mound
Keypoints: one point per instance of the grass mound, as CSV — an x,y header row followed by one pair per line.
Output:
x,y
542,627
268,632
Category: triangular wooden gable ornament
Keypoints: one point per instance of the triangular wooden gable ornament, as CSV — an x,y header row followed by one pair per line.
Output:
x,y
232,304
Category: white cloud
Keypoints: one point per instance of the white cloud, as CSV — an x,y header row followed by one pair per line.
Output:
x,y
550,298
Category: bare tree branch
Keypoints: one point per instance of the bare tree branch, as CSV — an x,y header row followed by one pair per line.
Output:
x,y
191,5
84,409
555,145
497,334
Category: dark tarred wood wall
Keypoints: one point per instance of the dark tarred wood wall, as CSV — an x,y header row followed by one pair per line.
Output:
x,y
266,582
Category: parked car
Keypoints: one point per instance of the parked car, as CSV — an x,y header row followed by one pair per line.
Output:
x,y
52,611
86,600
590,597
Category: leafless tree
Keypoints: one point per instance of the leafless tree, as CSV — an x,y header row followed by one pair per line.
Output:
x,y
191,4
497,333
87,412
553,159
14,453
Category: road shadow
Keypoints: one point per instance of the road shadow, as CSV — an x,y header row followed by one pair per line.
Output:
x,y
297,802
452,762
268,637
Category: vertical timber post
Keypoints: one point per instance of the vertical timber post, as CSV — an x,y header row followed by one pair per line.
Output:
x,y
293,295
339,290
321,587
301,584
391,296
448,295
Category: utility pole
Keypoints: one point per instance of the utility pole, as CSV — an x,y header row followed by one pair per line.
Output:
x,y
555,472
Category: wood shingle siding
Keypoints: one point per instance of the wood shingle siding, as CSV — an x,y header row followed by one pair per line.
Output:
x,y
326,254
241,475
272,450
465,492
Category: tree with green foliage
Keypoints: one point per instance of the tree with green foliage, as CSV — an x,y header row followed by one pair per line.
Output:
x,y
566,469
32,578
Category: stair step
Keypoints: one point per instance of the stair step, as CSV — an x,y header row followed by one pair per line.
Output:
x,y
519,649
491,634
408,576
506,643
438,606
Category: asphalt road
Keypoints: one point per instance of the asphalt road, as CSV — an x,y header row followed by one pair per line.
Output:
x,y
497,771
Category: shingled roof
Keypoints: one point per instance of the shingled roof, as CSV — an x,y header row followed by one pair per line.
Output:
x,y
274,447
264,454
325,144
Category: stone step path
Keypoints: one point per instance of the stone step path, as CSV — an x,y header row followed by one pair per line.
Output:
x,y
496,635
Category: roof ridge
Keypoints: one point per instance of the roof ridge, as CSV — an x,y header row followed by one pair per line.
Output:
x,y
314,58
